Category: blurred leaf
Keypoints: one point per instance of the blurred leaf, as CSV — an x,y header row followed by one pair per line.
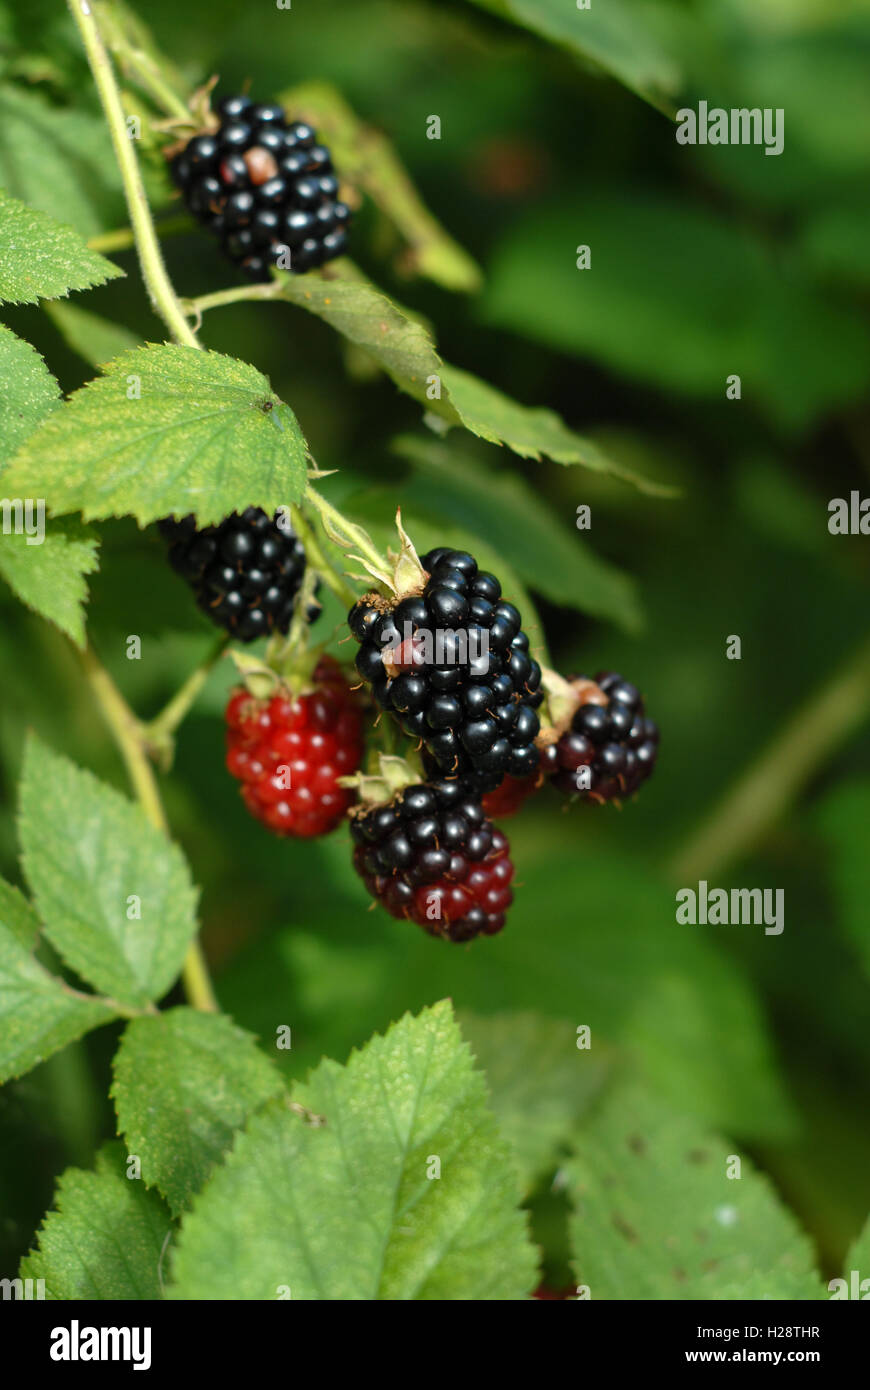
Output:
x,y
105,1239
657,1217
540,1082
184,1083
41,258
59,160
50,577
503,507
858,1256
649,306
18,916
29,392
346,1209
38,1014
407,353
367,159
835,243
843,818
612,35
205,435
95,339
87,851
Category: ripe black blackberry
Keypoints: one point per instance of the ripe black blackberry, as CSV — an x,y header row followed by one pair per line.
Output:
x,y
431,856
610,735
266,188
452,664
245,573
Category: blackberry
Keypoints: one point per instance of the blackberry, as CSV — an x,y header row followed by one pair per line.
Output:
x,y
610,735
452,663
266,187
245,573
431,856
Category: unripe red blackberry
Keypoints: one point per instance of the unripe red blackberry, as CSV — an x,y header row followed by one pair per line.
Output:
x,y
610,736
289,751
452,663
266,187
430,855
245,572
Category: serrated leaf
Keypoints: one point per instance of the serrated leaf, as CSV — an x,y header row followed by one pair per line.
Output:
x,y
89,854
41,258
105,1238
406,352
184,1083
369,161
843,818
550,558
50,577
28,392
18,916
205,434
59,160
541,1083
656,1215
95,339
615,36
38,1014
345,1210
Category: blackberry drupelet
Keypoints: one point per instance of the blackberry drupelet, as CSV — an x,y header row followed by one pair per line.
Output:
x,y
266,187
431,856
245,572
611,736
452,663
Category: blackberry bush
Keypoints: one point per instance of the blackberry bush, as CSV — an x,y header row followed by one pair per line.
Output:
x,y
266,188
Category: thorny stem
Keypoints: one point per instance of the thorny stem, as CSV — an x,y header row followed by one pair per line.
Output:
x,y
142,66
126,731
162,295
123,237
760,796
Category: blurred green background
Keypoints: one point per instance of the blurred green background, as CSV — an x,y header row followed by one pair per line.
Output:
x,y
705,262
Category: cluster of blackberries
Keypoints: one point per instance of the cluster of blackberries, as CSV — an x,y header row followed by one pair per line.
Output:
x,y
266,187
610,748
245,572
452,663
431,856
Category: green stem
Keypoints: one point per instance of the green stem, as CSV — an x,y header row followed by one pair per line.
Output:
x,y
220,298
758,799
123,237
142,67
318,559
125,729
161,728
352,534
157,282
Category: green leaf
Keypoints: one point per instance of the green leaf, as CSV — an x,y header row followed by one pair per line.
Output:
x,y
60,160
345,1209
858,1255
106,1237
502,506
202,433
367,160
18,916
406,352
184,1083
540,1081
41,258
38,1013
50,577
90,856
843,818
614,35
29,391
656,1215
797,352
95,339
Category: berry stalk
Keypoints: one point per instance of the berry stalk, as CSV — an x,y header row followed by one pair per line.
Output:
x,y
160,290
